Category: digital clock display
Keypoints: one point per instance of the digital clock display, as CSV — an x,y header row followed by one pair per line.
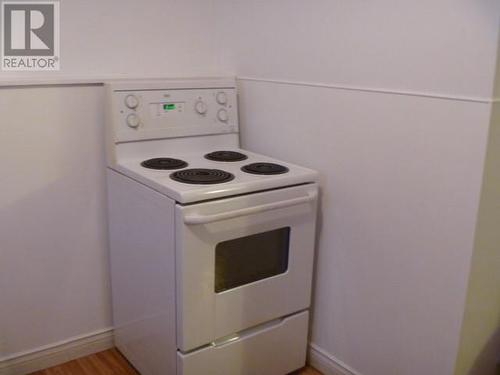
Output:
x,y
169,107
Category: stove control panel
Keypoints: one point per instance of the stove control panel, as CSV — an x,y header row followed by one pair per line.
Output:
x,y
167,113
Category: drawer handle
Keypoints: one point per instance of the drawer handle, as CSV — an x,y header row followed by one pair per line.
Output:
x,y
248,332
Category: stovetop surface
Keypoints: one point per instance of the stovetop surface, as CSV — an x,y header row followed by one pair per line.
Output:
x,y
235,180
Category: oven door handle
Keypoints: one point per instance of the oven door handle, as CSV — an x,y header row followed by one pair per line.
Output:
x,y
196,219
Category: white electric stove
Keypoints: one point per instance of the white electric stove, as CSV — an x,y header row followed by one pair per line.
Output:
x,y
211,246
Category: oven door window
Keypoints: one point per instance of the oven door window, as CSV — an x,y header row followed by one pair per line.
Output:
x,y
248,259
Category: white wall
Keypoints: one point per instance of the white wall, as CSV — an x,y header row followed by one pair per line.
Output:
x,y
443,47
321,85
53,251
53,268
130,38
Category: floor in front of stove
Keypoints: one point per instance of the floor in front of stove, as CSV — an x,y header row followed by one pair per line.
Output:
x,y
111,362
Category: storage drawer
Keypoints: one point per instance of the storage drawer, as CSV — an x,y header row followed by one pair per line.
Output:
x,y
275,348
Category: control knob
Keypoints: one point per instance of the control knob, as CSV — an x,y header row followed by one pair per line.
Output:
x,y
222,115
221,98
200,107
131,101
133,120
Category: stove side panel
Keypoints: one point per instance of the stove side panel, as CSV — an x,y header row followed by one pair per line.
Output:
x,y
142,258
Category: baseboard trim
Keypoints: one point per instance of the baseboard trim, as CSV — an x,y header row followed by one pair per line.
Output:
x,y
57,353
327,363
81,346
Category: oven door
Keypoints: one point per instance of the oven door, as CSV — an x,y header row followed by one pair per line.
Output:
x,y
243,261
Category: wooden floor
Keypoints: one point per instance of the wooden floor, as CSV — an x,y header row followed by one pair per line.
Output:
x,y
111,362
